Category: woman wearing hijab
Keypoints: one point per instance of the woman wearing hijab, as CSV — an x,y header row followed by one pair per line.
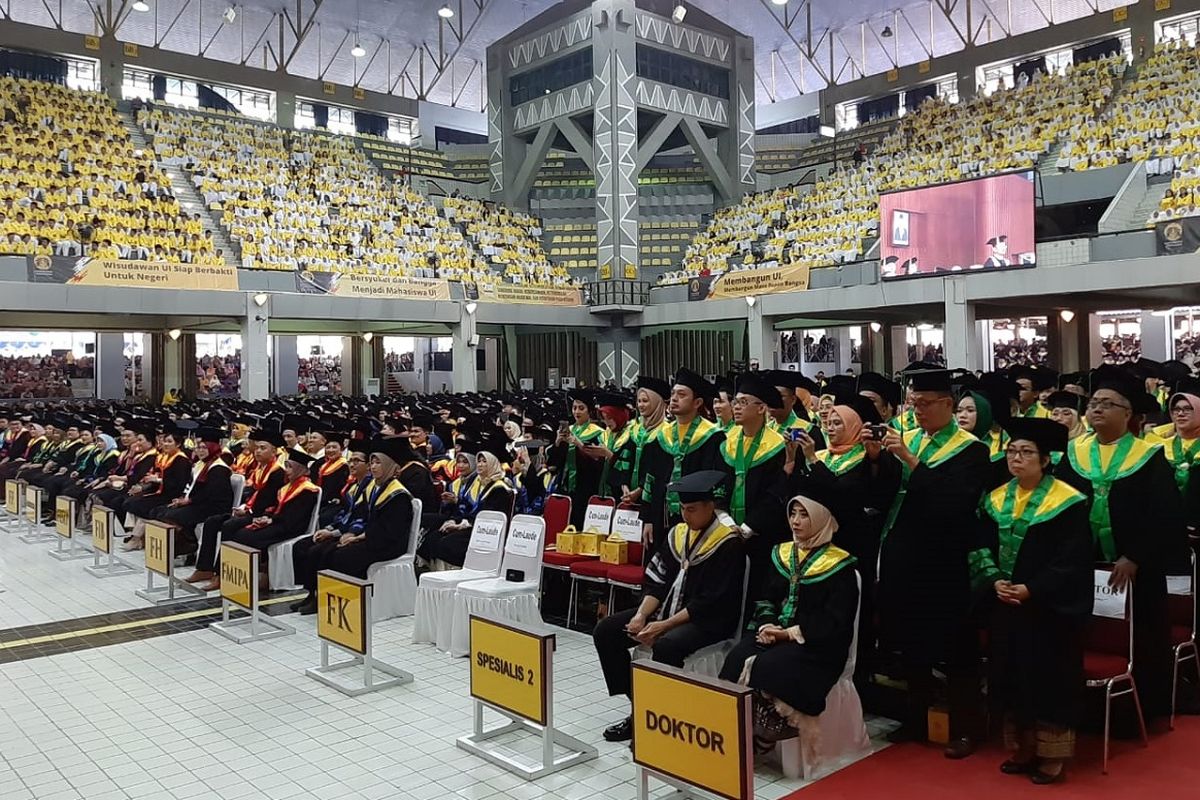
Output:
x,y
210,492
802,624
1183,448
575,457
389,518
490,492
1066,408
632,458
862,486
1034,565
825,404
615,416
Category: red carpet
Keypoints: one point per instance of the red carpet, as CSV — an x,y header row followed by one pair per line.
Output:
x,y
1169,767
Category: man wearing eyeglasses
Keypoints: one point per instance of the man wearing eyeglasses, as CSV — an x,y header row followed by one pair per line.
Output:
x,y
924,588
1136,515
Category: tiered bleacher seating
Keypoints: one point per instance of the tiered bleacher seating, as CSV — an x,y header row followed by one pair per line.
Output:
x,y
572,244
661,243
507,238
71,182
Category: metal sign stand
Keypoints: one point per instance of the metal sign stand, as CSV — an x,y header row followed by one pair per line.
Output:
x,y
12,521
479,742
259,626
161,595
113,566
34,532
366,659
683,791
74,551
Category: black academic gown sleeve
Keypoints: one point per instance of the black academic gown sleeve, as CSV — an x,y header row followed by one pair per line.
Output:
x,y
268,495
141,468
388,528
705,457
176,478
418,482
1191,502
296,514
215,494
333,483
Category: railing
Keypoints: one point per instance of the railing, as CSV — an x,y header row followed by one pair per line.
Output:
x,y
617,293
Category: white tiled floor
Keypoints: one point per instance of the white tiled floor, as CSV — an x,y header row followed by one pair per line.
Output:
x,y
195,715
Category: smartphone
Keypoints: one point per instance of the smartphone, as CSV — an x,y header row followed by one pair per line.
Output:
x,y
794,434
878,431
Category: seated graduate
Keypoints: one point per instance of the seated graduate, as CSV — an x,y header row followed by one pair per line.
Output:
x,y
492,493
802,626
263,482
90,459
102,462
534,481
351,511
691,597
1035,565
210,492
167,480
120,486
384,533
332,474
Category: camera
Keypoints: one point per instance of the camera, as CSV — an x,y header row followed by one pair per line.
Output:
x,y
877,431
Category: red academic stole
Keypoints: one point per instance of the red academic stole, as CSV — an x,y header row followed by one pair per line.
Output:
x,y
328,468
257,478
289,493
162,463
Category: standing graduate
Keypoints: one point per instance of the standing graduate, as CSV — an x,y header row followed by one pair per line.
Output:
x,y
754,456
614,413
1033,567
924,587
982,411
633,460
688,443
1124,476
1182,448
576,457
793,415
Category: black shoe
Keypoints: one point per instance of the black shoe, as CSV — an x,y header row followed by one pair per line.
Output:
x,y
619,732
959,748
1045,779
1012,767
309,606
296,606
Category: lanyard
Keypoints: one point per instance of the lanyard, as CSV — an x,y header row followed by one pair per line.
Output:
x,y
789,605
741,466
682,448
1100,515
1012,531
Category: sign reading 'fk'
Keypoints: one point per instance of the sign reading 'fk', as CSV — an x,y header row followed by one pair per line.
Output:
x,y
341,610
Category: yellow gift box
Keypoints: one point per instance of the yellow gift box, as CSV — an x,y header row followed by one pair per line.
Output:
x,y
588,543
614,550
567,542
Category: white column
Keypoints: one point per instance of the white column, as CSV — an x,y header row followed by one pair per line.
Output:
x,y
349,379
110,366
255,384
172,366
464,378
762,340
960,335
285,364
899,336
841,358
1095,349
148,366
1157,336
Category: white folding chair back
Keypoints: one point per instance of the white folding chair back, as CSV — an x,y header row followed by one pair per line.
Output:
x,y
524,546
238,482
396,579
486,548
280,571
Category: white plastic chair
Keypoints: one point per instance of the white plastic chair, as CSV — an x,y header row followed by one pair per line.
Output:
x,y
843,729
435,591
396,580
499,598
280,571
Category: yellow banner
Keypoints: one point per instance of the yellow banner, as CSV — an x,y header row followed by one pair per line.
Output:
x,y
158,551
390,287
100,539
526,293
64,510
693,728
342,611
32,510
153,275
508,668
239,574
759,281
12,497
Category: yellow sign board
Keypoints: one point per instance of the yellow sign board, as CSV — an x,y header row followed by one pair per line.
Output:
x,y
893,75
508,668
1121,14
328,88
239,573
91,42
359,93
32,493
387,287
64,511
100,533
12,497
528,293
746,282
342,610
1162,5
130,49
606,272
694,729
923,67
158,549
154,275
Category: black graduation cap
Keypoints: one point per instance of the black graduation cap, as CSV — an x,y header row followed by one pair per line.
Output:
x,y
656,385
1174,370
886,388
299,456
108,428
1048,435
496,443
142,427
271,437
208,434
840,386
580,396
697,487
696,382
185,425
865,409
754,385
931,380
1000,392
1115,379
792,379
996,239
1066,379
726,384
921,366
611,399
1065,399
1146,368
396,448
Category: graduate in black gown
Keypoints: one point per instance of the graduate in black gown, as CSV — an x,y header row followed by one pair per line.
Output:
x,y
691,596
492,492
983,410
166,481
1136,516
1033,569
576,456
798,639
924,587
384,535
753,457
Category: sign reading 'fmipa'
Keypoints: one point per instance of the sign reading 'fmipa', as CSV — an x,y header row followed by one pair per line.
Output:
x,y
693,729
239,566
508,667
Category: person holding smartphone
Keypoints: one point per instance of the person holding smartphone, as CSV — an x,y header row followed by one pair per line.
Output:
x,y
575,456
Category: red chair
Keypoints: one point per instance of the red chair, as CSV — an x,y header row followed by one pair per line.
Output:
x,y
627,576
1182,613
1108,661
590,568
557,514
